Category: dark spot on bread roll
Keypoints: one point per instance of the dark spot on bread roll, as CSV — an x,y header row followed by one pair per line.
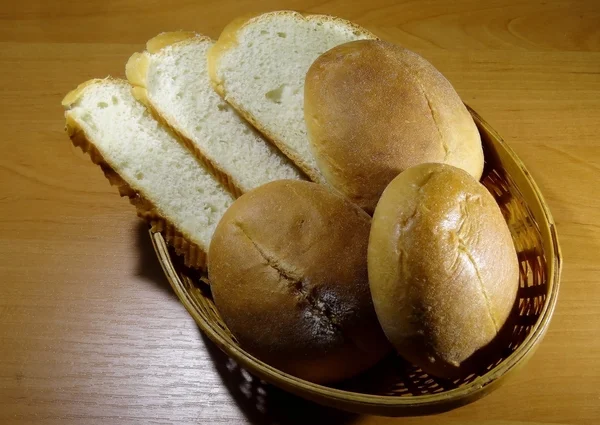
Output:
x,y
288,271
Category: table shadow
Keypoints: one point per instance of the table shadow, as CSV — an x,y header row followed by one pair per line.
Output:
x,y
148,266
264,404
261,403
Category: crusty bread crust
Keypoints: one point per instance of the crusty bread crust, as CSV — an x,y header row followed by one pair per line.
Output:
x,y
228,40
304,307
373,109
443,268
193,255
137,70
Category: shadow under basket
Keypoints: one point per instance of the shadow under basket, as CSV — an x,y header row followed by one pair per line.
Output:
x,y
395,387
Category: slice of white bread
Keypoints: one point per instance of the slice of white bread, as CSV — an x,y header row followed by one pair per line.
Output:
x,y
171,77
166,183
259,64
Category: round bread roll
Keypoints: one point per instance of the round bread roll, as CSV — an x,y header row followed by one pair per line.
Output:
x,y
288,272
373,109
443,268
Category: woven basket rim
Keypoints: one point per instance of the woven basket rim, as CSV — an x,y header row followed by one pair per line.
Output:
x,y
466,391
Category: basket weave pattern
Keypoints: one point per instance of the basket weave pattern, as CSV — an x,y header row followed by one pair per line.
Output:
x,y
396,387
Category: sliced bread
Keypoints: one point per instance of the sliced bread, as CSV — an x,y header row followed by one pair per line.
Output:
x,y
171,77
258,65
165,182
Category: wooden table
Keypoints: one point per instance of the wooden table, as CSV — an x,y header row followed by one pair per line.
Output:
x,y
90,331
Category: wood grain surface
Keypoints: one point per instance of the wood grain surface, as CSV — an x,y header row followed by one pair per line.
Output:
x,y
90,331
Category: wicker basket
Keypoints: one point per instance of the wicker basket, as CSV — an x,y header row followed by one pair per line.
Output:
x,y
395,387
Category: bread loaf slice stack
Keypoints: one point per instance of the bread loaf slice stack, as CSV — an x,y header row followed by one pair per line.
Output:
x,y
171,77
164,181
259,65
177,148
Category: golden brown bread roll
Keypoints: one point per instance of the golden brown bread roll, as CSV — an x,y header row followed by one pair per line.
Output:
x,y
288,272
373,109
443,269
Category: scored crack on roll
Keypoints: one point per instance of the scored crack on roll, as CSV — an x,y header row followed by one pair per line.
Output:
x,y
443,268
288,271
373,109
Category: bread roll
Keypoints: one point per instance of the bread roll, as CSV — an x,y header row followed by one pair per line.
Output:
x,y
288,273
443,269
373,109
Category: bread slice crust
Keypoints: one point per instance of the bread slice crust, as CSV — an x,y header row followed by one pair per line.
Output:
x,y
228,40
194,256
136,71
137,74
